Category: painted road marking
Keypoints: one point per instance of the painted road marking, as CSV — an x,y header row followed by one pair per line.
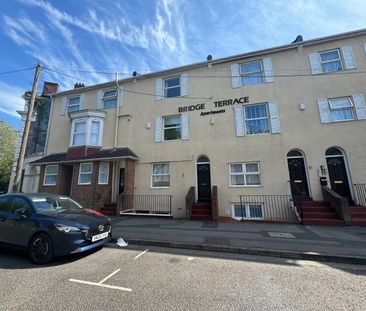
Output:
x,y
141,253
101,285
281,235
106,278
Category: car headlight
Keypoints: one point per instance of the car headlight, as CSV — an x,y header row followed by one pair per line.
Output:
x,y
66,229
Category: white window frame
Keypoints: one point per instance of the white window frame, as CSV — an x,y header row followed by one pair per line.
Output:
x,y
330,61
86,173
88,128
152,176
74,105
245,173
109,98
165,89
247,211
103,173
331,109
169,128
243,74
45,175
261,118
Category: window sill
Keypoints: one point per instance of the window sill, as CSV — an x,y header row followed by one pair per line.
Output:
x,y
157,188
84,184
245,186
48,185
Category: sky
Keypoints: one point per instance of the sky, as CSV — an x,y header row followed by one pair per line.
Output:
x,y
88,41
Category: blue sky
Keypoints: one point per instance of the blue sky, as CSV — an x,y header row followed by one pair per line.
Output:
x,y
90,40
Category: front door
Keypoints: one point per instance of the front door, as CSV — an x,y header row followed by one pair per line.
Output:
x,y
121,182
203,182
338,177
298,180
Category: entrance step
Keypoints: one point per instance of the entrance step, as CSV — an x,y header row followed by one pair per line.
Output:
x,y
323,222
358,221
109,209
320,215
315,204
201,211
317,210
358,215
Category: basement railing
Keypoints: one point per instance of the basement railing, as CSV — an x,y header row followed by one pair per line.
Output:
x,y
275,207
151,205
360,190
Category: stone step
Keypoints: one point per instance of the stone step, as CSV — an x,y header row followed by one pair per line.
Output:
x,y
358,221
315,204
324,222
201,217
317,210
320,215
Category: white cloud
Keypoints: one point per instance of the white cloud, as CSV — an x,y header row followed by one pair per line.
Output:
x,y
10,99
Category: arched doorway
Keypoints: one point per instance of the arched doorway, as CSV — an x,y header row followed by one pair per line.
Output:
x,y
203,179
298,175
338,173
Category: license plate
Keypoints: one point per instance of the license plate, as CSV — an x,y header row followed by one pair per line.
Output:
x,y
99,236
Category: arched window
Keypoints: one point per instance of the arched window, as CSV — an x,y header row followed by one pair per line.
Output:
x,y
203,159
333,152
294,153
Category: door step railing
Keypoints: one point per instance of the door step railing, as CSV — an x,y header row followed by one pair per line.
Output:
x,y
360,191
275,207
150,205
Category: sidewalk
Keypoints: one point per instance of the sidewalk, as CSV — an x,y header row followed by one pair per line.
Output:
x,y
320,243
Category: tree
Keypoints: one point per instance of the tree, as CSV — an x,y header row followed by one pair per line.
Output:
x,y
8,137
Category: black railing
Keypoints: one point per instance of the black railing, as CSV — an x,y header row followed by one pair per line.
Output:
x,y
268,207
147,204
360,190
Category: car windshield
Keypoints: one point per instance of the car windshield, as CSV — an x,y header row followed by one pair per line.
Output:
x,y
54,204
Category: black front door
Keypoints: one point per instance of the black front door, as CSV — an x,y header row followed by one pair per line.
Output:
x,y
203,182
298,180
121,184
68,172
338,177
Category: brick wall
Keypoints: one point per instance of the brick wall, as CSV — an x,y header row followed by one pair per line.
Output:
x,y
90,196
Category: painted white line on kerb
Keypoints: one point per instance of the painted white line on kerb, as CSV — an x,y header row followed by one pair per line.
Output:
x,y
101,285
141,253
106,278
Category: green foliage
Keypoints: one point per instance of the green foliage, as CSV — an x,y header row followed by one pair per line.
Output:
x,y
8,138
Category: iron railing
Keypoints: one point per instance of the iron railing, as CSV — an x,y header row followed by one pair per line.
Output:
x,y
275,207
146,204
360,190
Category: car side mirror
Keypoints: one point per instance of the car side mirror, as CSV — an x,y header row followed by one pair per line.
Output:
x,y
23,212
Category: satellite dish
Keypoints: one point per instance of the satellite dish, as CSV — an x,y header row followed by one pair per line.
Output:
x,y
209,57
134,73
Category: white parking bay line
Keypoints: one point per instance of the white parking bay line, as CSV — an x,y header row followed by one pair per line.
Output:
x,y
101,285
106,278
141,253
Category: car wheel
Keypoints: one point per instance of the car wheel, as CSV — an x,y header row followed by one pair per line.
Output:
x,y
40,249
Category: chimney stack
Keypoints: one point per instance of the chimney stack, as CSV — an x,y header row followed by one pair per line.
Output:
x,y
78,85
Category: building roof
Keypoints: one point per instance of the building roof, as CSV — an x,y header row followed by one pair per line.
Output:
x,y
103,154
280,48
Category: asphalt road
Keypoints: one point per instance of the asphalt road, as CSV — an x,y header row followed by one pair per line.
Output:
x,y
170,279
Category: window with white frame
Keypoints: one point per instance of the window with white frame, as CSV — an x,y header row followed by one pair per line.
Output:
x,y
109,99
85,173
247,211
86,131
341,109
50,175
160,177
103,173
256,119
244,174
73,104
330,61
252,73
172,87
172,127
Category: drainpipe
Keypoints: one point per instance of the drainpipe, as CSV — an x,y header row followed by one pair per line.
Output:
x,y
116,113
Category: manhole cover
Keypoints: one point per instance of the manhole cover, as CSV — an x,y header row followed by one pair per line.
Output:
x,y
281,235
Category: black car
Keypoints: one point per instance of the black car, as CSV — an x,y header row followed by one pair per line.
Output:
x,y
49,225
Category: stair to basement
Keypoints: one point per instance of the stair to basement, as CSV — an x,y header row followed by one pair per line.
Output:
x,y
358,215
201,211
319,213
109,209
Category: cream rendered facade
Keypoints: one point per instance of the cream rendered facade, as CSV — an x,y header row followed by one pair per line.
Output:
x,y
294,87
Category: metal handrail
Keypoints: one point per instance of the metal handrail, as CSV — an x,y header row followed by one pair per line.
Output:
x,y
273,207
147,204
360,191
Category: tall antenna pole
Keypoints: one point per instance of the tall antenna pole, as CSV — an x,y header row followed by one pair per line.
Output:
x,y
23,145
